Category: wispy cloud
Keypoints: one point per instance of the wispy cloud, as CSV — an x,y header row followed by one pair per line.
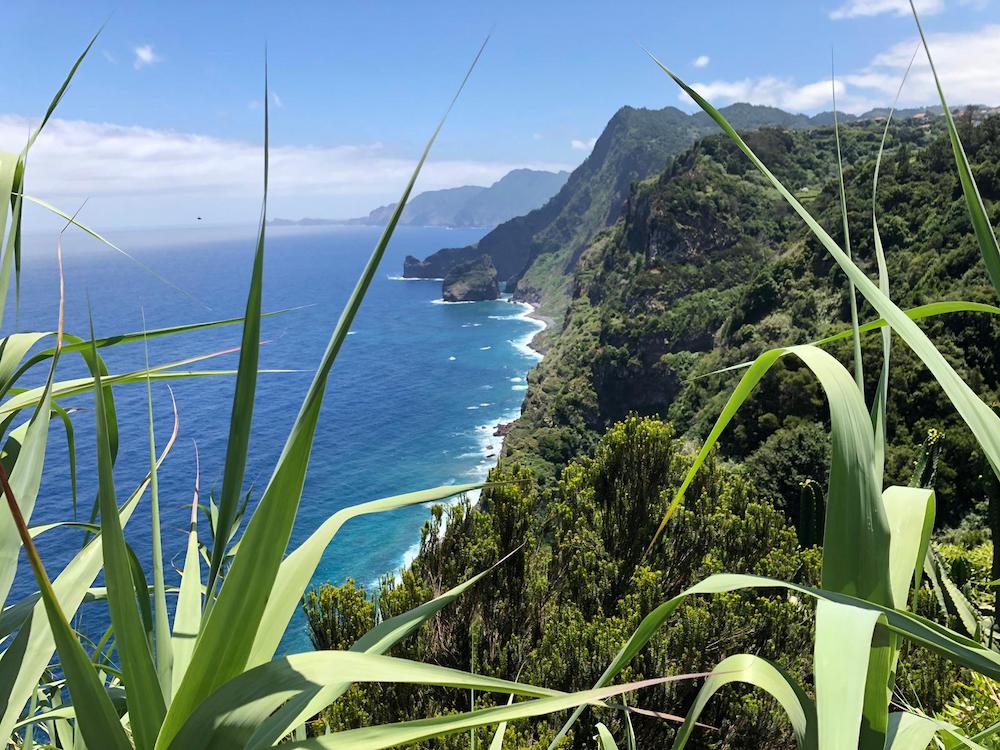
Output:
x,y
582,145
775,92
142,175
966,62
867,8
145,55
701,61
109,57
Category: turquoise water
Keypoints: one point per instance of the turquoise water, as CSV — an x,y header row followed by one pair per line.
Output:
x,y
412,402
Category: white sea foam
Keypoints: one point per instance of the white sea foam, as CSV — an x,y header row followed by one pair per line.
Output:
x,y
485,348
410,278
451,359
457,302
489,444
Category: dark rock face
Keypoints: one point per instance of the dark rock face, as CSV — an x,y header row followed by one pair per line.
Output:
x,y
473,281
438,266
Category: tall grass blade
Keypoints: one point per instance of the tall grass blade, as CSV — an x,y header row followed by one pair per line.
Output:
x,y
243,397
97,718
753,670
161,634
605,740
981,224
378,640
255,694
913,732
187,615
145,699
852,295
843,647
882,390
391,735
105,241
297,569
227,638
856,536
981,419
26,658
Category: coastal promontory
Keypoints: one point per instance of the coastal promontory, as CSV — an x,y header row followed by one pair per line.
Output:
x,y
471,281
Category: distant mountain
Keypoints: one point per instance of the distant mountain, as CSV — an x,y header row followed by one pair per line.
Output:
x,y
535,254
516,193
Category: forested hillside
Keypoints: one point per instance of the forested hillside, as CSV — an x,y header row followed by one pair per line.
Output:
x,y
706,269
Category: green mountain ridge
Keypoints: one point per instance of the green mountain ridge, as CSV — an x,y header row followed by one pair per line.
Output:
x,y
536,254
517,192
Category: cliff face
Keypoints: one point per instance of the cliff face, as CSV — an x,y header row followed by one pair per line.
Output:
x,y
438,265
537,253
473,281
708,268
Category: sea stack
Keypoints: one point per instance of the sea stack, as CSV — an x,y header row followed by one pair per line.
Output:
x,y
473,281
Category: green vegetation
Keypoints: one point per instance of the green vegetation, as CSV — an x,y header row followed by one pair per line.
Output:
x,y
599,559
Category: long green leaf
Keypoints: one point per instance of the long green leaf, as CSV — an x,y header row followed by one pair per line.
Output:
x,y
97,718
378,640
161,636
882,391
920,312
856,535
22,342
298,568
912,732
263,689
187,615
753,670
981,224
226,641
981,419
241,417
963,651
843,648
605,740
24,661
390,735
105,241
145,699
859,374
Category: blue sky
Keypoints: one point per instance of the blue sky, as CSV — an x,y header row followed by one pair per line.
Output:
x,y
163,120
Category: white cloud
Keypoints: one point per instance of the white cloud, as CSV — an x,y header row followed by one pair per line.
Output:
x,y
701,61
867,8
779,92
537,136
109,57
276,100
582,145
863,8
966,62
144,56
136,175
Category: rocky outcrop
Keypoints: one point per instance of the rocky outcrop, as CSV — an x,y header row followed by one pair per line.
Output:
x,y
438,265
473,281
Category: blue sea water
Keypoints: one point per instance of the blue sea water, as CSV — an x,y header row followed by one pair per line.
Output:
x,y
412,401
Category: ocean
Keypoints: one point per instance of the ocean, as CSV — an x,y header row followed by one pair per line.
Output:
x,y
413,400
